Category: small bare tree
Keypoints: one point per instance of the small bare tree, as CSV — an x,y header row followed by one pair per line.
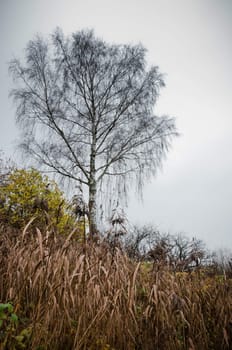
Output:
x,y
86,111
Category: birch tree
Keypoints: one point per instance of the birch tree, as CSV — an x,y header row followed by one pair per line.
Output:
x,y
86,111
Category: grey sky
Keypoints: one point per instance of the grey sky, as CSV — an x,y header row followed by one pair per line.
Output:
x,y
190,40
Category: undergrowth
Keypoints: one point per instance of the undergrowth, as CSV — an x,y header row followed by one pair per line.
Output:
x,y
66,295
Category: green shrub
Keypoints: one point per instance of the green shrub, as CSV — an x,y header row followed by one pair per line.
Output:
x,y
11,337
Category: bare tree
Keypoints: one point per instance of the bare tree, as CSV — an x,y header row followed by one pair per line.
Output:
x,y
177,251
86,111
187,253
139,241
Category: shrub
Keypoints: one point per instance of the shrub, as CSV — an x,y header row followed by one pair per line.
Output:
x,y
27,194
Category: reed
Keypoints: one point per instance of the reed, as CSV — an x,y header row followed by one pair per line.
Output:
x,y
69,295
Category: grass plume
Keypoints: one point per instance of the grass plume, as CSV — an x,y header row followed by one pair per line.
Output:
x,y
69,295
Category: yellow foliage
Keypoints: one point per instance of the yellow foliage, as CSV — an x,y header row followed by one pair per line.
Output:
x,y
26,194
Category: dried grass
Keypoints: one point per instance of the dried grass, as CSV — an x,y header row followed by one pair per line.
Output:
x,y
82,296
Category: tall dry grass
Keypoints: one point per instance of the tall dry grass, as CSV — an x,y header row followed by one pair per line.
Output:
x,y
84,296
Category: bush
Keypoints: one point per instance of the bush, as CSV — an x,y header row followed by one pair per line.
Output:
x,y
27,194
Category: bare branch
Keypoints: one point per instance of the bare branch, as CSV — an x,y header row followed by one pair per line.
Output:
x,y
86,111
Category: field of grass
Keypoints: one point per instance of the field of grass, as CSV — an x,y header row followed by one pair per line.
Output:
x,y
66,295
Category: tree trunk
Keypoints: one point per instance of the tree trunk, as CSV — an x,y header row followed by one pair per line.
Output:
x,y
92,209
93,187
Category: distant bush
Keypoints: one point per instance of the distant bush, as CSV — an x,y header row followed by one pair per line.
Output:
x,y
177,251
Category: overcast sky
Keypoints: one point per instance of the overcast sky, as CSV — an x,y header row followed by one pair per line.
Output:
x,y
190,40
